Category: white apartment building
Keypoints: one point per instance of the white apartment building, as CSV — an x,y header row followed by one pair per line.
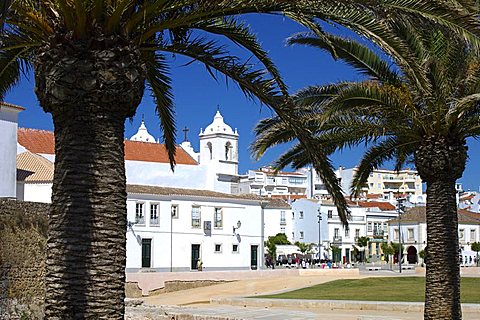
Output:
x,y
267,182
413,230
385,183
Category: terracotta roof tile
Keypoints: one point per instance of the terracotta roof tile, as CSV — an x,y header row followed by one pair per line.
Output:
x,y
166,191
32,167
37,141
384,206
154,152
289,196
274,203
42,141
418,214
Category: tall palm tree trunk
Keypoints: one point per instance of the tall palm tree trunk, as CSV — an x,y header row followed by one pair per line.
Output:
x,y
89,94
442,279
440,162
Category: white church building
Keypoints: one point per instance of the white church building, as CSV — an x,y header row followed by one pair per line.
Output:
x,y
174,218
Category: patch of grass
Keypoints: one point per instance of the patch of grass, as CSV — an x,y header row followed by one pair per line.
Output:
x,y
403,289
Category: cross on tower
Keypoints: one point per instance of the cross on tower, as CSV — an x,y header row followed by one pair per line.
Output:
x,y
185,131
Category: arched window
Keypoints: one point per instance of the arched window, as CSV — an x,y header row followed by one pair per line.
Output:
x,y
209,145
228,148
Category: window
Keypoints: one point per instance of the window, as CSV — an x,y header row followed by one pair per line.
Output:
x,y
347,232
235,248
329,214
296,180
282,217
410,234
357,233
218,218
336,233
379,185
218,248
154,219
461,234
301,234
139,215
473,235
293,215
209,146
196,217
369,227
282,230
228,147
301,214
395,234
174,211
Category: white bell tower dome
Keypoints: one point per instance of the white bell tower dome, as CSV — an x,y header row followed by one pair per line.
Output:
x,y
142,134
219,149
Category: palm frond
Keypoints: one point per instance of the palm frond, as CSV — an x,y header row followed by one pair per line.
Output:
x,y
160,86
365,60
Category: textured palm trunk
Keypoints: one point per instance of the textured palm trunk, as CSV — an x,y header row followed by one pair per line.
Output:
x,y
89,93
442,290
440,162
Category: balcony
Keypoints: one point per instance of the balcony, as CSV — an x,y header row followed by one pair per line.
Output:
x,y
378,233
337,240
139,219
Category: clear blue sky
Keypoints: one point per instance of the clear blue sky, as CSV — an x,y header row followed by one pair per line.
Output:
x,y
197,95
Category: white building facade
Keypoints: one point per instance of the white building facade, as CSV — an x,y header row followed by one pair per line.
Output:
x,y
267,182
413,234
173,229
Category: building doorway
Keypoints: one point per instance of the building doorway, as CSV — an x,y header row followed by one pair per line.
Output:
x,y
146,253
254,257
412,257
195,256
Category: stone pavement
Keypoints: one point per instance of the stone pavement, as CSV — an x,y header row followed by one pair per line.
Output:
x,y
225,301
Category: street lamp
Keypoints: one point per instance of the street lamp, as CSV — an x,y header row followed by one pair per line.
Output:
x,y
319,215
400,209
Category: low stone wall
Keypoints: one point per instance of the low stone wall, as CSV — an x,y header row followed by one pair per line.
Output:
x,y
23,234
151,282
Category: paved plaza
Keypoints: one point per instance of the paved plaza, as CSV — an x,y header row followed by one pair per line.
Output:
x,y
227,301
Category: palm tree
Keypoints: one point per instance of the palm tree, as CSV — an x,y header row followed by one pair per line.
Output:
x,y
420,110
92,60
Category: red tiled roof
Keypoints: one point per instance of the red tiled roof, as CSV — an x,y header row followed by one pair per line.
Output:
x,y
42,141
37,141
374,196
154,152
384,206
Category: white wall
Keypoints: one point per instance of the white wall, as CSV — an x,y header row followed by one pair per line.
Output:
x,y
273,224
183,235
35,192
8,151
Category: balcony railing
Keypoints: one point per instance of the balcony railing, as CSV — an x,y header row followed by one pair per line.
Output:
x,y
337,239
154,221
283,222
140,220
378,233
